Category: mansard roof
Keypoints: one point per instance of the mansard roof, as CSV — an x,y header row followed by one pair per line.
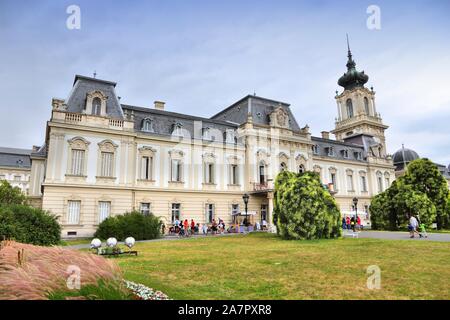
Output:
x,y
164,121
339,147
15,158
82,85
259,108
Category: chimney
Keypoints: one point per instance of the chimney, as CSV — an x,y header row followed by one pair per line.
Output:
x,y
159,105
325,135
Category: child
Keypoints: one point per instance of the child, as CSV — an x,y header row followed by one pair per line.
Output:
x,y
423,231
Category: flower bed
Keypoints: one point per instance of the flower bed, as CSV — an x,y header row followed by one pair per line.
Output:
x,y
145,293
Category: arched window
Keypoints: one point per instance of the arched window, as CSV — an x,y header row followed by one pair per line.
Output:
x,y
366,106
147,125
301,169
349,108
96,106
262,172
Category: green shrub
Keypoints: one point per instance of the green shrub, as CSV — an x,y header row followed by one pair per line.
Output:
x,y
303,209
10,195
29,225
132,224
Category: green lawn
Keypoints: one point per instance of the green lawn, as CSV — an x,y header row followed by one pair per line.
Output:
x,y
261,266
73,242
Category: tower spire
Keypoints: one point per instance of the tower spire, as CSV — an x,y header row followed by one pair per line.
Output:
x,y
348,47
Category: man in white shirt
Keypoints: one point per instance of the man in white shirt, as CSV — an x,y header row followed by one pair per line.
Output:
x,y
413,225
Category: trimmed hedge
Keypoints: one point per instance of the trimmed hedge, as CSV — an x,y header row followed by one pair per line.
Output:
x,y
29,225
131,224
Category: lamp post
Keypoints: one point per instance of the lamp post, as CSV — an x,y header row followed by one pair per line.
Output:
x,y
355,203
245,197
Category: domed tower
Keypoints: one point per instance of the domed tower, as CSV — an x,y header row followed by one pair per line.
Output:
x,y
357,114
402,158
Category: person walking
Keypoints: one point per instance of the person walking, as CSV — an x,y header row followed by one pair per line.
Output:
x,y
352,223
358,223
192,225
347,222
413,224
205,229
344,224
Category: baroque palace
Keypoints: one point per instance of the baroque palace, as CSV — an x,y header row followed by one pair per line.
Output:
x,y
102,157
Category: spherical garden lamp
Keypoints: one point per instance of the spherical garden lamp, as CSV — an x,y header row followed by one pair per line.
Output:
x,y
245,197
96,243
129,242
111,242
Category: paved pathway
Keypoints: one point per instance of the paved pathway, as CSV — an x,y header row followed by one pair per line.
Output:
x,y
166,238
390,235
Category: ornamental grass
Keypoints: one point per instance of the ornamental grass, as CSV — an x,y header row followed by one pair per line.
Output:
x,y
29,272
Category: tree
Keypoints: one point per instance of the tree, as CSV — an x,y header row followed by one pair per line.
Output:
x,y
422,191
10,195
303,209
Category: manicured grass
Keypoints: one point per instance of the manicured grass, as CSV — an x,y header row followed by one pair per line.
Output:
x,y
262,266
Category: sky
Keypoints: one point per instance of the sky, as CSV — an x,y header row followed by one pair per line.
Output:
x,y
201,56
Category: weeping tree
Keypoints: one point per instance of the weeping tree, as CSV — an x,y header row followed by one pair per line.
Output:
x,y
422,191
303,209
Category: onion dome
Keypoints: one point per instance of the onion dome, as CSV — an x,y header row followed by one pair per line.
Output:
x,y
352,78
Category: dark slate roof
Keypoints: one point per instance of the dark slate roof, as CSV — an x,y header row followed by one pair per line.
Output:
x,y
15,158
338,148
444,170
82,85
404,156
163,121
260,109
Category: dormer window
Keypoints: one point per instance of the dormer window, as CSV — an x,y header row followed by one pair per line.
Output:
x,y
230,136
330,151
178,130
358,155
345,153
206,134
96,106
147,125
315,149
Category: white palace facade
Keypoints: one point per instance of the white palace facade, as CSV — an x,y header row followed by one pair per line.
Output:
x,y
103,158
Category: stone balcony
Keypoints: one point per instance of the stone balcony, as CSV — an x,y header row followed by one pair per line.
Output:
x,y
263,187
359,117
91,120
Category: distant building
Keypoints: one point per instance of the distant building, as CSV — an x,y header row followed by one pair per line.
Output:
x,y
15,167
404,156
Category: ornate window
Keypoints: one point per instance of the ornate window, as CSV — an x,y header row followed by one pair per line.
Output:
x,y
379,181
145,208
345,153
78,148
363,179
315,149
333,177
366,106
301,168
147,125
206,134
358,155
230,136
233,175
104,210
350,186
107,150
176,212
96,103
210,212
73,212
349,108
178,130
176,168
209,168
262,172
387,179
146,163
330,151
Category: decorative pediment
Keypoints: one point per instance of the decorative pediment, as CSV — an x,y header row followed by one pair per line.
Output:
x,y
332,169
262,153
209,157
301,158
107,145
78,143
176,154
279,118
97,94
147,150
233,159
